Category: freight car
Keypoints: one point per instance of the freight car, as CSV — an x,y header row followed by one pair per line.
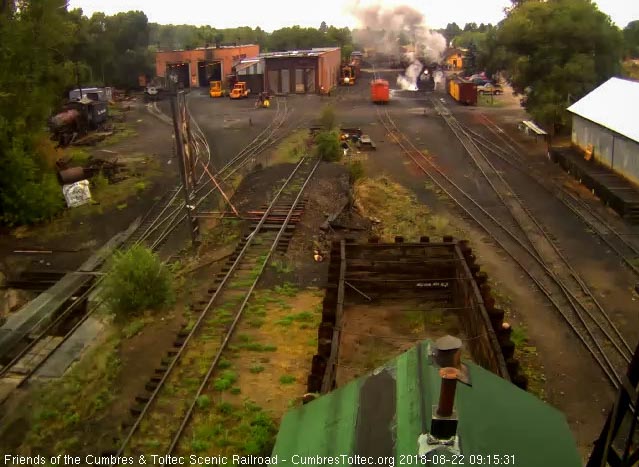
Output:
x,y
380,91
463,91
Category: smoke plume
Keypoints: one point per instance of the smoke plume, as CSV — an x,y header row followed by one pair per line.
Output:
x,y
383,27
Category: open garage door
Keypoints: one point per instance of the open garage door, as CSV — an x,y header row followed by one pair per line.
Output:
x,y
207,72
310,80
215,71
179,73
286,81
273,81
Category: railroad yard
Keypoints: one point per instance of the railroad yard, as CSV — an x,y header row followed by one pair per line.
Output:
x,y
293,274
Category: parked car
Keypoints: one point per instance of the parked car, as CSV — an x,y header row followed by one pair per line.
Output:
x,y
490,88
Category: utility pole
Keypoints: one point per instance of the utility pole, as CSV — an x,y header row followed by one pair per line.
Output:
x,y
77,76
180,129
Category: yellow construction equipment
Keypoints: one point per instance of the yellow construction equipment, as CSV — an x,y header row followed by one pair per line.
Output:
x,y
263,100
216,89
239,91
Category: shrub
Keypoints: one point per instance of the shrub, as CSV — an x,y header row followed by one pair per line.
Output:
x,y
137,280
99,181
328,147
327,117
356,170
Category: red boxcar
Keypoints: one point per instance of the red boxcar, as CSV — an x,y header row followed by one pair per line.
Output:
x,y
380,91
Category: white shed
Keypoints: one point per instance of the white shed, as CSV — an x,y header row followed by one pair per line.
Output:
x,y
606,123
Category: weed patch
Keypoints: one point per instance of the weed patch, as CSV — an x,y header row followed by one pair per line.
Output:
x,y
287,289
242,430
257,347
292,148
225,380
287,379
281,266
396,210
63,407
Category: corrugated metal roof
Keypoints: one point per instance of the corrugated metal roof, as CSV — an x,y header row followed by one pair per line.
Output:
x,y
613,105
299,53
385,413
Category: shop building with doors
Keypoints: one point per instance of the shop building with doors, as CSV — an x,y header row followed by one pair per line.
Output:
x,y
302,71
604,126
251,71
200,66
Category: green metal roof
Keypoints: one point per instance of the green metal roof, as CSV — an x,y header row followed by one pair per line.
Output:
x,y
383,414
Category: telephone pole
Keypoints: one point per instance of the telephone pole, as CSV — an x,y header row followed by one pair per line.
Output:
x,y
185,160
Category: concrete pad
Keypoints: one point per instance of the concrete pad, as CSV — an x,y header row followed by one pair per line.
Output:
x,y
7,386
71,350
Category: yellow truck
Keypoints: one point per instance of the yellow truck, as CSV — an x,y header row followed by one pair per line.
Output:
x,y
216,89
239,91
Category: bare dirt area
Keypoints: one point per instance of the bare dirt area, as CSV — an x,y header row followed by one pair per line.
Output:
x,y
373,333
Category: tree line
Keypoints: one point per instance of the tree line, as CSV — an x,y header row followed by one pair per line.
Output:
x,y
555,51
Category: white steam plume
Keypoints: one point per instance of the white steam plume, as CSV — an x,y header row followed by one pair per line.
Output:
x,y
381,26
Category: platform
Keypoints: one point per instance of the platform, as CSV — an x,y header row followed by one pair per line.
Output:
x,y
611,187
38,313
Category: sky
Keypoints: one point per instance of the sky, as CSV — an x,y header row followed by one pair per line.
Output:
x,y
275,14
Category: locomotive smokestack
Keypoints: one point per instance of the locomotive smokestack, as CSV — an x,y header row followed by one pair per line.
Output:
x,y
447,392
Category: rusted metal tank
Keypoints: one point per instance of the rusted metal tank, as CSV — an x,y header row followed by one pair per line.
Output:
x,y
65,118
71,175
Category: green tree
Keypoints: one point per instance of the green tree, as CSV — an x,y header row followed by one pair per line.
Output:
x,y
323,27
35,43
470,59
631,39
470,27
452,30
556,49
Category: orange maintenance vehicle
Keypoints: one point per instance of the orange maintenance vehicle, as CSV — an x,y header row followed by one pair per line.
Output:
x,y
216,89
239,91
380,91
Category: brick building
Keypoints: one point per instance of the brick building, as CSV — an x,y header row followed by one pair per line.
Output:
x,y
197,67
303,71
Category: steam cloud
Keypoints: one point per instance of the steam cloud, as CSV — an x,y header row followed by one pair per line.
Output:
x,y
381,29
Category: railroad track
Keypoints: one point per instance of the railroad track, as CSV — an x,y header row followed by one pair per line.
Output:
x,y
164,412
175,215
600,338
611,236
153,231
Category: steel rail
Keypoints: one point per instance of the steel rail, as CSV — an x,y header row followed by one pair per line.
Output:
x,y
201,317
176,216
614,379
625,353
218,355
591,218
570,294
